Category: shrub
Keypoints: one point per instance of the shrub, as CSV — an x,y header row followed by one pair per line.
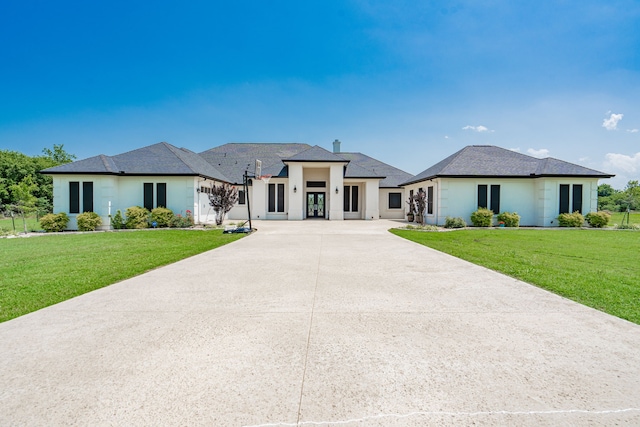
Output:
x,y
510,219
137,217
179,221
482,217
117,221
162,217
598,219
627,226
54,222
88,221
571,219
457,222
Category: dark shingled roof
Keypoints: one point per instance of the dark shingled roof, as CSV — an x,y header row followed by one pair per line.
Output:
x,y
393,177
156,159
234,158
315,154
492,161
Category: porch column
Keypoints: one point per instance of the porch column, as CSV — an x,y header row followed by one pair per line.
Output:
x,y
371,202
336,201
296,199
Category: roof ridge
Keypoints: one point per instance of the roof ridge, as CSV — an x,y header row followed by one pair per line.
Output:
x,y
179,153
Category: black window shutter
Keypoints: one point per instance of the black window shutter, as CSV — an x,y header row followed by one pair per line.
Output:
x,y
564,198
87,197
430,200
148,195
241,197
577,198
74,197
347,198
161,189
272,197
482,196
354,199
495,199
280,197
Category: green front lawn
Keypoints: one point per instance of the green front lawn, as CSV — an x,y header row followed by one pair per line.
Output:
x,y
597,268
616,218
39,271
7,225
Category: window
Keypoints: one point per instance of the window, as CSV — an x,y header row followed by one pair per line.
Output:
x,y
74,197
161,189
276,197
430,200
395,200
316,184
495,199
87,197
575,201
482,197
148,196
241,197
489,197
577,198
351,198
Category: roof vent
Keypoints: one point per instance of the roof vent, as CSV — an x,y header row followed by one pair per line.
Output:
x,y
336,146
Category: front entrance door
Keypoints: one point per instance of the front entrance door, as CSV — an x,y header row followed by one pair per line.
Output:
x,y
315,205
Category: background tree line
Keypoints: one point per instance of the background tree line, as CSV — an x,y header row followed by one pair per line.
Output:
x,y
23,189
610,199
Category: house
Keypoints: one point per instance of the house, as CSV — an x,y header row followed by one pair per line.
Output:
x,y
504,180
299,182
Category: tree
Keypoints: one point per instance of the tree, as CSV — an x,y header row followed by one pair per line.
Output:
x,y
25,201
58,155
222,198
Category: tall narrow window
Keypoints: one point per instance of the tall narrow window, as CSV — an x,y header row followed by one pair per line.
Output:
x,y
161,189
482,196
347,198
495,199
577,198
430,200
74,197
564,198
272,197
354,198
87,197
280,197
241,197
148,196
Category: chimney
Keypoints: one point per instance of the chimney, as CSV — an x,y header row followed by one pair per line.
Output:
x,y
336,146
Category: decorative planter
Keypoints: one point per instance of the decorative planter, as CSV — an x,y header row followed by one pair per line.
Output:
x,y
420,219
410,217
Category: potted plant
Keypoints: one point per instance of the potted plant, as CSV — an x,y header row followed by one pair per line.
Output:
x,y
412,209
421,206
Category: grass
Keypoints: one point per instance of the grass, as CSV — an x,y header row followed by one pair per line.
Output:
x,y
616,218
39,271
6,225
597,268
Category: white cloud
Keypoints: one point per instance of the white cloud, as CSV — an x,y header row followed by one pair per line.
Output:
x,y
612,122
446,137
517,150
477,128
633,130
543,152
622,162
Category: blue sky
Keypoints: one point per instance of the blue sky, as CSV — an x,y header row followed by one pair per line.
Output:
x,y
406,82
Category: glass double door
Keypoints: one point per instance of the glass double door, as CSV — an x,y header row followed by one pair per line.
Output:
x,y
315,205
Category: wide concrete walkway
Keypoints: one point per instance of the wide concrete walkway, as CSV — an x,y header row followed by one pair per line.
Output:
x,y
319,323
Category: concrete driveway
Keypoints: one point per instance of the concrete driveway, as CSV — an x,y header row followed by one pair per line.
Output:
x,y
319,323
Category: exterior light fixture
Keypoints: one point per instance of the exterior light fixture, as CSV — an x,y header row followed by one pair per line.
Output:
x,y
337,190
295,189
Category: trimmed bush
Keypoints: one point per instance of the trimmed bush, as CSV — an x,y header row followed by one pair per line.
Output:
x,y
88,221
571,219
483,217
179,221
510,219
137,217
162,217
598,219
117,221
457,222
54,222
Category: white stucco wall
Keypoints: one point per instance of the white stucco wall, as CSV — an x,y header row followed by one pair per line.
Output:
x,y
385,211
